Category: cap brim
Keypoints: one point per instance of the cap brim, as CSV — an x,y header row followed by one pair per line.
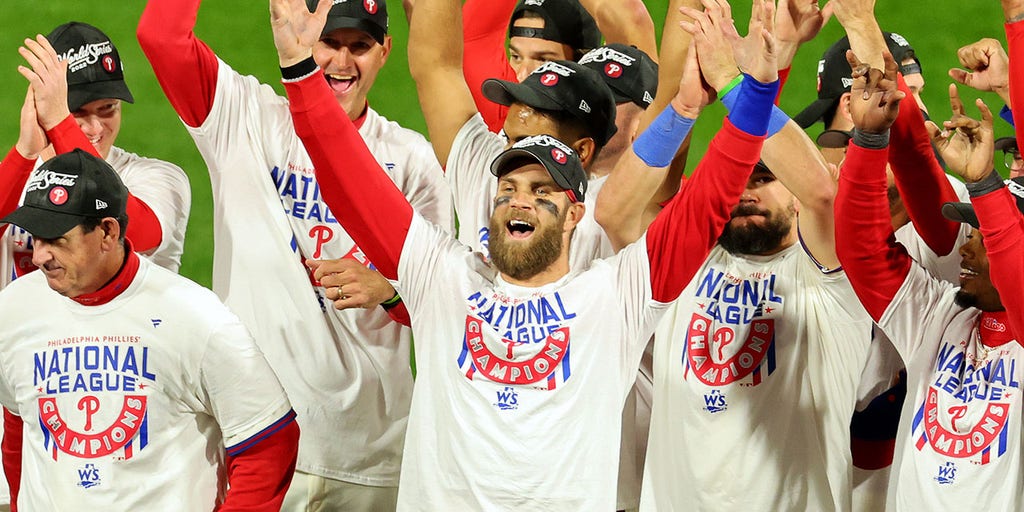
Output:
x,y
960,212
81,94
1005,143
506,93
814,112
336,22
507,160
40,223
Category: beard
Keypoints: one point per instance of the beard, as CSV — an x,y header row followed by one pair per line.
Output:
x,y
753,238
522,261
965,300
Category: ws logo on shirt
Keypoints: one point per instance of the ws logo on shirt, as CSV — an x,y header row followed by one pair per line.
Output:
x,y
729,338
965,414
516,342
93,401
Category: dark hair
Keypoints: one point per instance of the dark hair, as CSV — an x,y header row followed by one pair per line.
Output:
x,y
577,53
575,127
89,224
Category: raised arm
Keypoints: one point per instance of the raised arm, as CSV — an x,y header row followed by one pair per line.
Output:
x,y
17,165
865,243
184,65
987,68
346,171
484,25
624,21
435,62
1013,12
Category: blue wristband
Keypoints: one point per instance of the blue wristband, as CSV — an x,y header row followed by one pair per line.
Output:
x,y
778,118
1006,114
660,142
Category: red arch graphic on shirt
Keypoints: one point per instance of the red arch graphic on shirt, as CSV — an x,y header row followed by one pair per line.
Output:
x,y
90,446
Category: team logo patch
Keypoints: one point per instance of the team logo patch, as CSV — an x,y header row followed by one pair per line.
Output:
x,y
559,156
715,401
109,64
88,476
92,399
370,6
946,474
549,79
965,411
706,351
613,69
58,195
517,343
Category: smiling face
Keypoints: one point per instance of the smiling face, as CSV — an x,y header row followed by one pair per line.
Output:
x,y
976,288
82,260
531,224
526,54
351,60
100,120
764,220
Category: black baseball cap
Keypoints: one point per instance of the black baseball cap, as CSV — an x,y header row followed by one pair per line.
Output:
x,y
370,16
561,85
964,212
67,189
559,159
95,71
565,21
628,71
1006,144
834,75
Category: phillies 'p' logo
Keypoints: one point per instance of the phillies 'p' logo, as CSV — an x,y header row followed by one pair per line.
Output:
x,y
90,405
108,64
559,155
58,195
549,79
613,70
370,6
322,235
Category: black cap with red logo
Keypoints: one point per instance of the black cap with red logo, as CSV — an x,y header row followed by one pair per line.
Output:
x,y
560,160
370,16
67,189
95,71
628,71
562,85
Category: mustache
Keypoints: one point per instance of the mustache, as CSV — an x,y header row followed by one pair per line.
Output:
x,y
748,209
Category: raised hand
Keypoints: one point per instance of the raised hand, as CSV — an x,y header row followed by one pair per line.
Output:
x,y
965,144
31,139
761,60
851,12
799,21
48,79
296,29
694,92
716,38
987,67
349,284
874,97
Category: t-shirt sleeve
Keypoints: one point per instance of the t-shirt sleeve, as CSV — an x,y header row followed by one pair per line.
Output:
x,y
902,319
164,187
425,187
636,302
468,171
238,386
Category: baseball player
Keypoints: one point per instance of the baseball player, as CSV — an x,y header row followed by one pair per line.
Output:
x,y
482,432
93,91
136,388
959,439
347,372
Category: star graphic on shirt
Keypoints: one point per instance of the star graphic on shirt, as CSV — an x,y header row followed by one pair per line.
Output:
x,y
142,386
768,310
701,305
40,388
19,243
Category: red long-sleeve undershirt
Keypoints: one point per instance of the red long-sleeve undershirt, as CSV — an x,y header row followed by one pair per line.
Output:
x,y
348,175
865,243
184,65
143,228
11,450
259,477
1002,227
1015,48
484,23
920,179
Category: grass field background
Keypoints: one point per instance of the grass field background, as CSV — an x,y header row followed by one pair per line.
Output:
x,y
238,30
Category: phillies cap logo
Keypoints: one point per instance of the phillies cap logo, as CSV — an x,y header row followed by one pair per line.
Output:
x,y
549,79
58,195
613,70
370,6
109,64
559,155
